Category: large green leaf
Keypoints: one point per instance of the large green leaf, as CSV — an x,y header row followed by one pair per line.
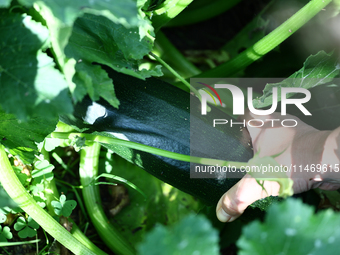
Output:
x,y
192,235
318,69
60,17
120,11
30,85
21,137
292,228
98,39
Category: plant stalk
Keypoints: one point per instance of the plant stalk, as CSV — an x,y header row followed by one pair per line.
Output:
x,y
19,194
146,148
269,42
88,171
187,84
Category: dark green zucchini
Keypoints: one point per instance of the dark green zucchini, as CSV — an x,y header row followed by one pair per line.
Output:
x,y
157,114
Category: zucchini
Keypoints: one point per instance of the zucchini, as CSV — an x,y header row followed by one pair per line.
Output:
x,y
155,113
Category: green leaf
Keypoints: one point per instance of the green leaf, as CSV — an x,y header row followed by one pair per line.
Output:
x,y
40,199
5,3
318,69
94,81
27,232
30,85
43,171
13,210
31,223
291,227
129,42
49,144
120,11
5,234
60,16
98,39
37,188
20,224
42,175
21,176
192,235
21,137
63,207
26,228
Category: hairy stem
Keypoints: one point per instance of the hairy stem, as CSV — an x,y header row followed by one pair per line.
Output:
x,y
187,84
146,148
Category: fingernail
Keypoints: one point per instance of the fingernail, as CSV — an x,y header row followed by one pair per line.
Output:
x,y
223,216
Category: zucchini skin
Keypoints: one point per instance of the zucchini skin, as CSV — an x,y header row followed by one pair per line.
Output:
x,y
155,113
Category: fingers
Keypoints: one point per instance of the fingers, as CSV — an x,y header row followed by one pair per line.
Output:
x,y
233,203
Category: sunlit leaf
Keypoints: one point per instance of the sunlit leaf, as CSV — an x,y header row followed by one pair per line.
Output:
x,y
64,207
26,228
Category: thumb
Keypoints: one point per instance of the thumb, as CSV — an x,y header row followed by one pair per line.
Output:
x,y
233,203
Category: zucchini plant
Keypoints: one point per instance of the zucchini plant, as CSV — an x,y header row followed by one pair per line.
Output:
x,y
100,89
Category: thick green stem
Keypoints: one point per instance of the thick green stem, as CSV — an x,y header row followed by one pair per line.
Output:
x,y
146,148
268,42
166,13
88,171
77,233
242,37
207,11
54,193
19,194
175,57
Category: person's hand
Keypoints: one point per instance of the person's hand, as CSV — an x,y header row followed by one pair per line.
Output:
x,y
297,146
